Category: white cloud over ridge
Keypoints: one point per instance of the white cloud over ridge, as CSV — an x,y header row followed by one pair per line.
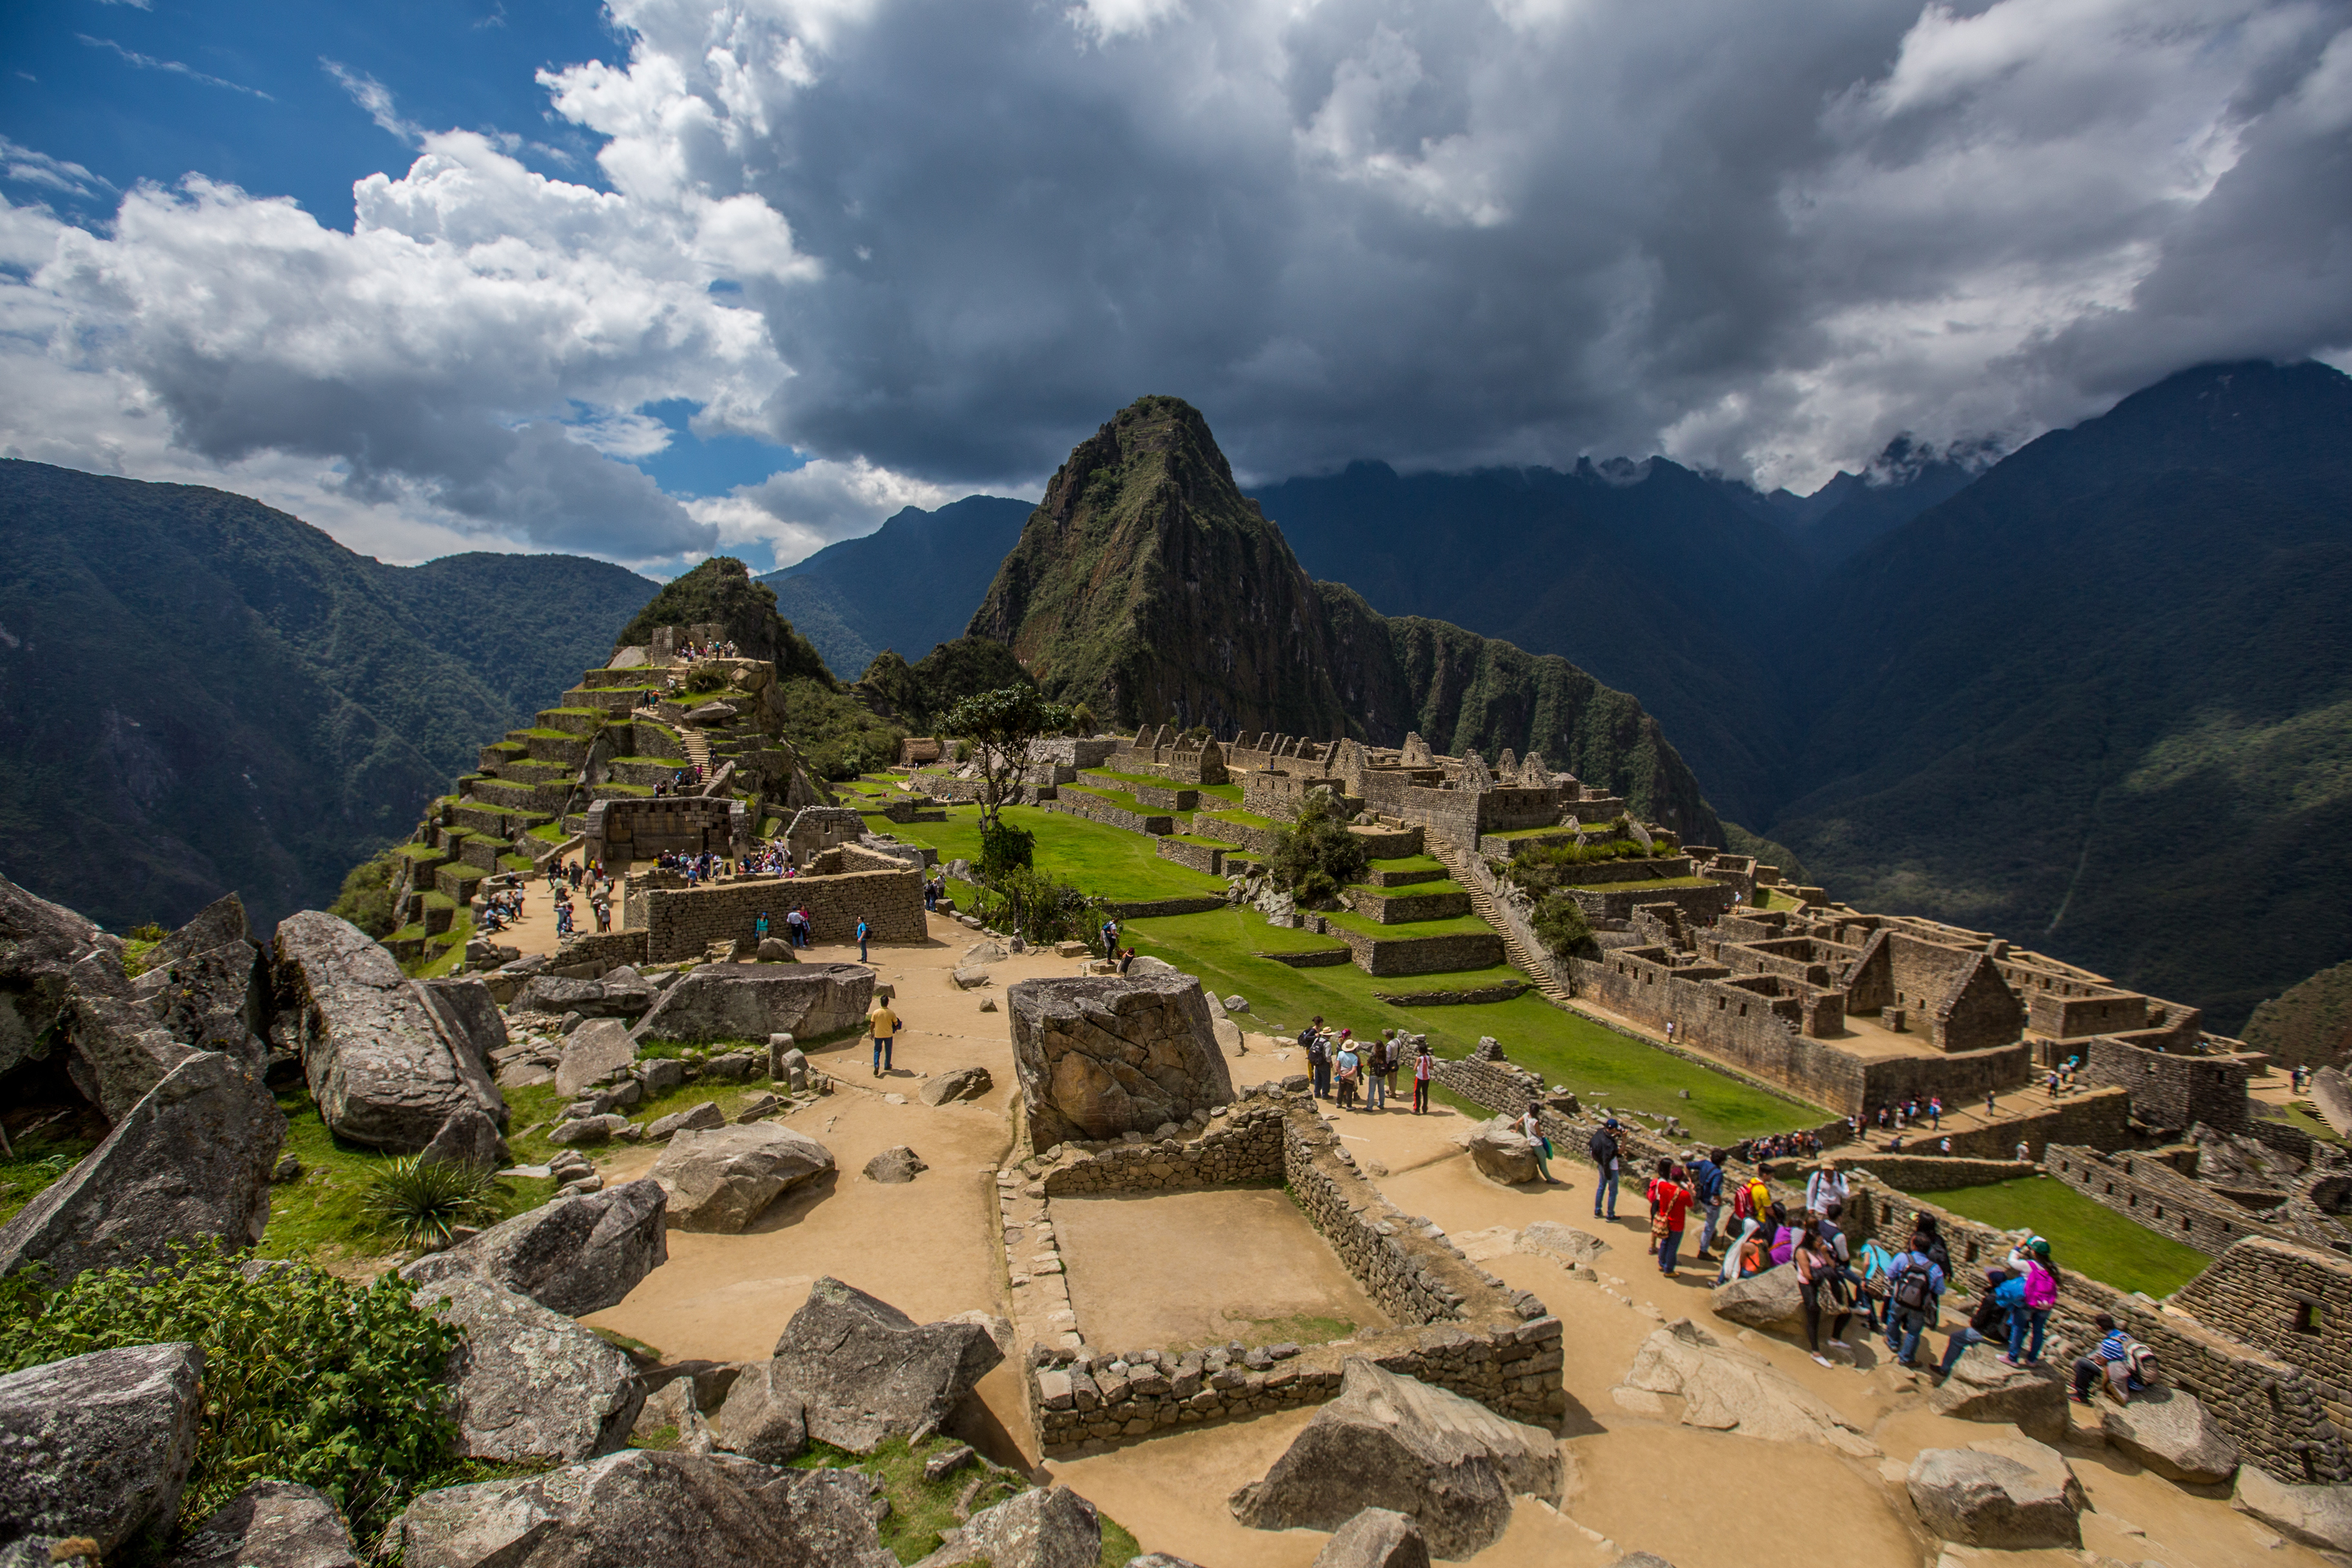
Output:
x,y
950,236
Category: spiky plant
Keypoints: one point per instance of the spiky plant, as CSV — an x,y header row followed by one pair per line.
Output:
x,y
426,1199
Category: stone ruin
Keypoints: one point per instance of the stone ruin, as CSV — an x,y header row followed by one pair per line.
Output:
x,y
1101,1058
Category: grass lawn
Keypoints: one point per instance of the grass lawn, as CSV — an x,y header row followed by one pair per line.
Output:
x,y
2296,1116
1457,925
1565,1047
40,1159
2084,1235
1429,863
1239,818
1440,883
1110,862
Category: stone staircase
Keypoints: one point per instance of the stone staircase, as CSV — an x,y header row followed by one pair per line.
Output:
x,y
1535,965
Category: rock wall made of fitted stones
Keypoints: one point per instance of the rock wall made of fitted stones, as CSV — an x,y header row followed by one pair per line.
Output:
x,y
1205,858
2156,1197
2288,1421
605,950
682,922
1382,956
1110,813
2290,1301
2174,1089
1243,1148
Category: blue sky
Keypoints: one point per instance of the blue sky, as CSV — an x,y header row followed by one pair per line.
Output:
x,y
668,276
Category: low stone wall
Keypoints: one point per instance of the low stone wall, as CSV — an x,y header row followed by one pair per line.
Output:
x,y
1315,958
1148,909
1208,858
1095,808
2098,1119
2286,1300
606,950
1458,1327
1403,909
682,922
1261,842
1469,997
1159,797
2278,1413
2152,1194
1386,955
1935,1172
2288,1139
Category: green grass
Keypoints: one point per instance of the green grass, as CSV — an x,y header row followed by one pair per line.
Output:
x,y
1124,801
672,763
1239,819
1107,861
517,862
921,1511
1649,882
2085,1237
1203,843
1434,886
1231,793
1567,1048
1429,863
419,851
1093,775
321,1218
541,732
2296,1116
39,1160
550,833
1456,925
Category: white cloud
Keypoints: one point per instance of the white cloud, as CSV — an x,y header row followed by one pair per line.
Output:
x,y
375,97
24,166
800,512
176,68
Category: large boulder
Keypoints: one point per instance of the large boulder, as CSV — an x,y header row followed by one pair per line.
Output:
x,y
1501,1150
2331,1095
956,1083
574,1256
213,999
467,1138
624,994
698,1118
2319,1517
470,1013
1396,1443
867,1371
593,1053
382,1068
40,942
1983,1387
723,1178
1549,1238
270,1524
2173,1434
761,1418
1771,1302
753,1001
2012,1494
1050,1526
1727,1388
894,1166
1099,1057
1376,1537
99,1445
119,1048
647,1510
193,1158
527,1384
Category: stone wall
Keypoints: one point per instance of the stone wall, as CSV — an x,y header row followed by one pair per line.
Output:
x,y
1096,808
1206,858
644,828
1935,1172
2095,1013
1261,842
2283,1418
2286,1300
682,922
1388,955
1243,1148
1403,907
2152,1194
2174,1089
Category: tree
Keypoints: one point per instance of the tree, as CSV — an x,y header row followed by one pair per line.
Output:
x,y
1317,856
999,725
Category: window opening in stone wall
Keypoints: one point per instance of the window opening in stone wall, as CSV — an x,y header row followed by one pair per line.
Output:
x,y
2306,1318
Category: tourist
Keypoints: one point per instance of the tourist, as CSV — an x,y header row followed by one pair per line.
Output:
x,y
1707,1186
862,929
1833,1228
1915,1289
1945,1146
1822,1289
1993,1104
1671,1199
1394,1057
1347,1062
1936,1112
1318,1057
1989,1325
1781,1231
2037,1299
1111,941
1876,1281
604,915
2126,1365
1650,1195
1376,1070
1532,1128
760,927
1423,1066
1126,958
884,1024
1826,1186
2025,1154
1604,1152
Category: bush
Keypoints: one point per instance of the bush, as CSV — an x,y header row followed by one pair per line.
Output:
x,y
1082,720
308,1378
365,900
705,678
1041,908
1004,850
424,1200
1560,925
1317,856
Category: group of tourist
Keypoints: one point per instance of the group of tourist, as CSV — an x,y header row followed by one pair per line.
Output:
x,y
696,652
696,870
799,927
682,781
1781,1146
1361,1075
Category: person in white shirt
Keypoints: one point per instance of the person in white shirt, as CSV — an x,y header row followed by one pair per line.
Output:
x,y
1825,1187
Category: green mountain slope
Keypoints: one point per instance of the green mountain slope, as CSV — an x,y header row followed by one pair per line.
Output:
x,y
1148,587
907,587
2309,1024
199,693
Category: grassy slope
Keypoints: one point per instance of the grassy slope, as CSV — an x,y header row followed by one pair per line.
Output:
x,y
2085,1237
1107,861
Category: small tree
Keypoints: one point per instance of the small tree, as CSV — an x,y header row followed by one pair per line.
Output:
x,y
1560,925
1317,856
999,725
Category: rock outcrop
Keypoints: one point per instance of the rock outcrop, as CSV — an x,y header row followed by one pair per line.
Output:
x,y
193,1158
1724,1388
649,1509
724,1178
2012,1494
206,986
1098,1057
528,1383
895,1165
1549,1238
40,942
2319,1517
574,1256
1395,1443
956,1083
270,1524
1376,1537
470,1013
2173,1434
119,1049
624,994
1050,1526
761,1418
593,1053
98,1445
1501,1151
865,1371
1982,1388
753,1001
1770,1301
381,1067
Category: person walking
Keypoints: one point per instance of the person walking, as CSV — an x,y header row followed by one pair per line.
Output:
x,y
1915,1289
1376,1071
884,1026
1822,1290
1604,1152
862,929
1672,1200
1706,1185
1936,1112
1532,1128
1423,1066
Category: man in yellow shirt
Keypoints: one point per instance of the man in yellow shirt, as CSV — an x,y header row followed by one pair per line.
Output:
x,y
884,1026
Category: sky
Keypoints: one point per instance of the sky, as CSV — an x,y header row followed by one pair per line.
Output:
x,y
671,278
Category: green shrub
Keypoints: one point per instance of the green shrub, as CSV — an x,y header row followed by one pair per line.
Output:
x,y
366,897
308,1378
424,1200
1041,908
705,678
1560,925
1003,849
1317,856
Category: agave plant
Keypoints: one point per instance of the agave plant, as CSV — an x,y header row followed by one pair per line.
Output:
x,y
426,1199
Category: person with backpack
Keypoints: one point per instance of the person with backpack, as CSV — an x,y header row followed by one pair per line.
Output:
x,y
1318,1058
1822,1289
1989,1325
1916,1288
1604,1152
2037,1298
1876,1281
1707,1186
1670,1201
2127,1365
1532,1128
